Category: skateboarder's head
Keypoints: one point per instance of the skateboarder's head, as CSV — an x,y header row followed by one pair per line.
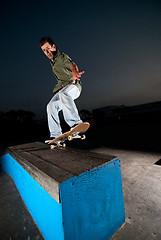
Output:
x,y
48,47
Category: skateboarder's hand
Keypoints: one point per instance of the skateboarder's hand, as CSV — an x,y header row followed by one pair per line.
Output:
x,y
77,75
75,71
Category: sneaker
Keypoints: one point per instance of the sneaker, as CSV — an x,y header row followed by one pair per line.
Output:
x,y
51,138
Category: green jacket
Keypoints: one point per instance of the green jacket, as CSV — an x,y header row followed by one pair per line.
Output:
x,y
62,71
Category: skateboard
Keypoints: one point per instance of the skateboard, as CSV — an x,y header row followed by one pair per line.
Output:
x,y
75,133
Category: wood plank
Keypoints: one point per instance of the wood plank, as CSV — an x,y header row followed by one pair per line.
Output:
x,y
52,167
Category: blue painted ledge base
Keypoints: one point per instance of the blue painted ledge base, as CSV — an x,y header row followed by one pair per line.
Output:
x,y
45,210
91,204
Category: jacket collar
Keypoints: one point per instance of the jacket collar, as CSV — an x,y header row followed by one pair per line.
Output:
x,y
55,57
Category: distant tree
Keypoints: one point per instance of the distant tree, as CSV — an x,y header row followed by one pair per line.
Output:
x,y
25,116
85,115
19,116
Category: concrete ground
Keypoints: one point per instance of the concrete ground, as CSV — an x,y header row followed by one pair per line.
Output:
x,y
141,179
15,221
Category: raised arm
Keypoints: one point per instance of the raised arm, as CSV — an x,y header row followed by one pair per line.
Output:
x,y
75,71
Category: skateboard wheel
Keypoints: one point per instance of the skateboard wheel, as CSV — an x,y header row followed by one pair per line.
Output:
x,y
52,147
63,145
70,138
83,137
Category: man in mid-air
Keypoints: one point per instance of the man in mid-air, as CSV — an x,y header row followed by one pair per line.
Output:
x,y
67,89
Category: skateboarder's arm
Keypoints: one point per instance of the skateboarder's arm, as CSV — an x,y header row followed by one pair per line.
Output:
x,y
75,71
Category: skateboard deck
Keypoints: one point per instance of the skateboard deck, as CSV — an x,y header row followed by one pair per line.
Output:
x,y
75,133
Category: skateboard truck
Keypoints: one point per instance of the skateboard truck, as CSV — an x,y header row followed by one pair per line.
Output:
x,y
76,133
58,144
75,136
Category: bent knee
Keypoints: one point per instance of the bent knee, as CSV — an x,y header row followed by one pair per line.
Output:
x,y
52,105
71,91
48,107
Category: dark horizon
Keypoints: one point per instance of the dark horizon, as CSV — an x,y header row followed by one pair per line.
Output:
x,y
150,106
135,127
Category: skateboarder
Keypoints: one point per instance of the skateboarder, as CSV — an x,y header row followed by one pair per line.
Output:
x,y
66,90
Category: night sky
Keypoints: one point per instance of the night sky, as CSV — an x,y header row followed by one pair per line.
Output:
x,y
116,43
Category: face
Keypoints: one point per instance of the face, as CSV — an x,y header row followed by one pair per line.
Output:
x,y
49,50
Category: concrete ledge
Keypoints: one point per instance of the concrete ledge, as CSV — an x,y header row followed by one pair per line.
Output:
x,y
71,194
52,167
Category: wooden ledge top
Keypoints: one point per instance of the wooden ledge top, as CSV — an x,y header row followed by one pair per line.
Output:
x,y
52,167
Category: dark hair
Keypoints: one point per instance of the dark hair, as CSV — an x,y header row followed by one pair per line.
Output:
x,y
44,40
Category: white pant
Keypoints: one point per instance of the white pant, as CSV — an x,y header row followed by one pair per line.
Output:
x,y
63,100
